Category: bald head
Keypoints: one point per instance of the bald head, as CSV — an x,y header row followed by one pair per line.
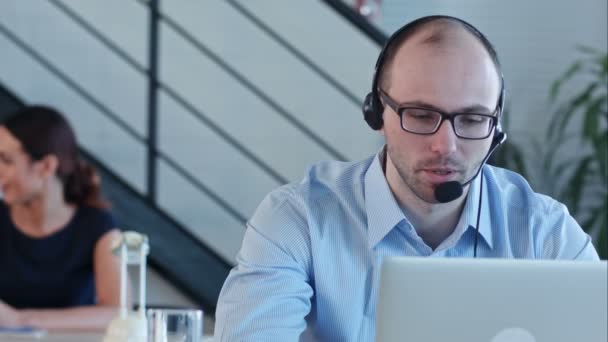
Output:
x,y
439,34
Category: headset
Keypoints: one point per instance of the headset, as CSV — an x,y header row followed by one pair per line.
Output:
x,y
372,105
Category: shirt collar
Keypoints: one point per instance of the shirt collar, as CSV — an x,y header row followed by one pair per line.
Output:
x,y
383,211
470,210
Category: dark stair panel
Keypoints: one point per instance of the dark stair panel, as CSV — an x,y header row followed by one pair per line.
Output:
x,y
174,252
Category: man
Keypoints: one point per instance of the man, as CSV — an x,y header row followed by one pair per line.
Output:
x,y
310,261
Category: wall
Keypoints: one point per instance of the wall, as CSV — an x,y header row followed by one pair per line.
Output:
x,y
536,41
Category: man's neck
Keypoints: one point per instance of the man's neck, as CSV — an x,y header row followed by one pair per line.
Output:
x,y
433,222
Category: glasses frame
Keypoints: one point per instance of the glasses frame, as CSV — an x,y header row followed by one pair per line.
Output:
x,y
399,109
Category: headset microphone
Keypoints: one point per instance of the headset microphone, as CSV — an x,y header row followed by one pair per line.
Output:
x,y
449,191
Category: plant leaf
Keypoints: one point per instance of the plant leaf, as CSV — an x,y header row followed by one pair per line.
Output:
x,y
589,50
591,123
575,185
600,144
589,223
556,86
575,103
602,237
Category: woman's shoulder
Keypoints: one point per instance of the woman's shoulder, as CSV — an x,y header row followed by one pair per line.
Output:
x,y
3,207
97,221
4,213
5,221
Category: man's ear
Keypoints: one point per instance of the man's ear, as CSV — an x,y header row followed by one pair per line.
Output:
x,y
381,130
48,165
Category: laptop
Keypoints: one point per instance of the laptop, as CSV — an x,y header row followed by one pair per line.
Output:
x,y
492,300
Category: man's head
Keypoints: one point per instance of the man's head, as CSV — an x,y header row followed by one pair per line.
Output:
x,y
445,65
438,30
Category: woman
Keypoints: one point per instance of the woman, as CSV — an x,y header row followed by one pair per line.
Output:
x,y
57,270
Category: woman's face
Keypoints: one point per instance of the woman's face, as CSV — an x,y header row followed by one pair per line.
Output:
x,y
21,179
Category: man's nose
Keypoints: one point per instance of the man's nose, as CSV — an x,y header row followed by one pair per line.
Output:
x,y
443,142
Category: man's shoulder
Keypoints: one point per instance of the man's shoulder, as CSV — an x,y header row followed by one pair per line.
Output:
x,y
335,174
515,191
323,182
553,232
326,176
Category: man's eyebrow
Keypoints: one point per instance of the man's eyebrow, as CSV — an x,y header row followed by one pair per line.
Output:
x,y
476,108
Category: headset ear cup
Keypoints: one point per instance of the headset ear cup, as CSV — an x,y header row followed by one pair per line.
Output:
x,y
499,136
372,112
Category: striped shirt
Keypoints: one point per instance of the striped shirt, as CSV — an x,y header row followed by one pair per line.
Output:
x,y
310,261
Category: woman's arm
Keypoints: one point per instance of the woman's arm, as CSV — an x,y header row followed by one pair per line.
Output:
x,y
96,317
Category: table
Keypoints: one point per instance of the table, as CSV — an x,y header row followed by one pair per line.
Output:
x,y
59,337
71,337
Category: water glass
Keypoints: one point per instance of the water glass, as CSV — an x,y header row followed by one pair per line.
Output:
x,y
175,325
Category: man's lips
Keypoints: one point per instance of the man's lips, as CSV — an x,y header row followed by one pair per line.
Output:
x,y
440,175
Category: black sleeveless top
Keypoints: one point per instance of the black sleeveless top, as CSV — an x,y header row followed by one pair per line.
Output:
x,y
55,271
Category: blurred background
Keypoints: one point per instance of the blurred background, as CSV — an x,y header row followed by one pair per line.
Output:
x,y
194,110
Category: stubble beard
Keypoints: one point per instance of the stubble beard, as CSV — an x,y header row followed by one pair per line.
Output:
x,y
412,178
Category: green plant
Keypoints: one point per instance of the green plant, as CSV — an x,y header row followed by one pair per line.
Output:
x,y
580,181
584,176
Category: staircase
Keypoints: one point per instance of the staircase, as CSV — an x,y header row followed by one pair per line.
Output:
x,y
193,111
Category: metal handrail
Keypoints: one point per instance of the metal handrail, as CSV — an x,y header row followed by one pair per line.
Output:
x,y
155,85
173,94
152,146
116,119
358,21
72,84
289,117
354,99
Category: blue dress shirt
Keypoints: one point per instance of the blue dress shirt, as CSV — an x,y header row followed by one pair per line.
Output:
x,y
309,266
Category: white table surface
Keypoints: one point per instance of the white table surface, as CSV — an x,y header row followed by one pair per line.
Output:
x,y
57,337
69,337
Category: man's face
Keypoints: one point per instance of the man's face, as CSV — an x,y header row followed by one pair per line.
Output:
x,y
453,77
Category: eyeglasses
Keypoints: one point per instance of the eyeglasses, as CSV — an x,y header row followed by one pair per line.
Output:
x,y
426,121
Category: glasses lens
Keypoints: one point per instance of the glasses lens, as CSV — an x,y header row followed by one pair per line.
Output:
x,y
472,125
418,120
